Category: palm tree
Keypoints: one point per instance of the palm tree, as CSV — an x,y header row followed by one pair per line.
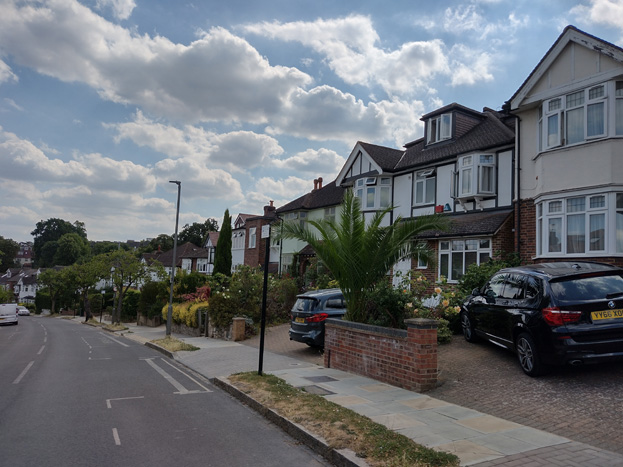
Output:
x,y
360,253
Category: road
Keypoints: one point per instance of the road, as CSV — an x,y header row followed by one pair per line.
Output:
x,y
72,394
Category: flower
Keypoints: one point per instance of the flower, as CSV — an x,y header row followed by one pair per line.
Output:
x,y
445,302
457,309
437,290
410,305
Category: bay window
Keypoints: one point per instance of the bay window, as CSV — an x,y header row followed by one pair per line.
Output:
x,y
618,106
475,176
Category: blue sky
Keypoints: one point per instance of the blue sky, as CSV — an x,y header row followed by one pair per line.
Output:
x,y
102,102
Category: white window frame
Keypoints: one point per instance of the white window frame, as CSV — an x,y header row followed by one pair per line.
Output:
x,y
252,237
470,176
423,181
329,214
476,250
439,128
373,192
618,108
555,116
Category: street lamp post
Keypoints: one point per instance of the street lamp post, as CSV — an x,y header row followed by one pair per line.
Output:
x,y
177,216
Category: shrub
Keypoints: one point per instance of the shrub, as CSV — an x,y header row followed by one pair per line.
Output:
x,y
386,306
129,307
152,298
477,275
186,283
280,298
246,290
222,309
42,301
185,312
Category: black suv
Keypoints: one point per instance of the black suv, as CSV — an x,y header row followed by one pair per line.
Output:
x,y
310,311
550,313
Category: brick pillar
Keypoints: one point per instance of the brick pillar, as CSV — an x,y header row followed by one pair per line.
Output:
x,y
422,339
237,329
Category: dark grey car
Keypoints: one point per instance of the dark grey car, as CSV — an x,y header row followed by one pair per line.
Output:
x,y
550,313
309,313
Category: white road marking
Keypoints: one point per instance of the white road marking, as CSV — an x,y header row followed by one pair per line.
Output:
x,y
168,377
109,404
188,376
103,358
115,340
19,378
115,435
41,350
85,341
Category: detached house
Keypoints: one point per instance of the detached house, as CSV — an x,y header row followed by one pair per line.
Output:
x,y
463,167
238,241
570,170
207,266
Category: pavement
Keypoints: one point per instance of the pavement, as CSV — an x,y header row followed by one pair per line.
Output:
x,y
477,438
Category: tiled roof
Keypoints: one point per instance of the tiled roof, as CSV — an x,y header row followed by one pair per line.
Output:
x,y
491,132
213,236
328,195
187,250
386,158
472,224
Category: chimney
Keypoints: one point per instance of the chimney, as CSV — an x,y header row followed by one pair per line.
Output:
x,y
269,211
319,183
315,184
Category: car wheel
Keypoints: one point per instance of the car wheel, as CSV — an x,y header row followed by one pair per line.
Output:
x,y
528,355
468,328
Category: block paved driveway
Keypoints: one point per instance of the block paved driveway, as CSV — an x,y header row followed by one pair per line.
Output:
x,y
580,403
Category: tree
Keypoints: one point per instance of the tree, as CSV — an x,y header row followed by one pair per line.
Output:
x,y
222,255
57,283
71,248
162,241
85,276
8,252
360,255
128,271
51,231
197,233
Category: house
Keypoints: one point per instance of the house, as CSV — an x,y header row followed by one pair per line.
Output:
x,y
27,286
463,167
569,116
238,240
25,254
189,257
321,203
207,267
255,246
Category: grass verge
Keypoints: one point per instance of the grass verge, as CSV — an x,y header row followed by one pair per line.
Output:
x,y
173,345
339,426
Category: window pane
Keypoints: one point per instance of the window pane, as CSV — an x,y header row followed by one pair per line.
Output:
x,y
471,244
575,204
486,159
419,192
443,266
457,265
483,258
370,197
552,130
619,200
575,126
595,120
445,126
619,232
554,104
430,190
619,116
575,99
555,206
444,245
385,192
466,181
598,201
598,232
471,257
485,243
486,179
467,161
458,245
555,235
539,236
596,92
576,233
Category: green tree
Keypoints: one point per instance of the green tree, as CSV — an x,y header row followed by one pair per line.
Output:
x,y
85,276
360,253
71,248
222,255
57,283
100,248
8,252
51,231
162,241
128,271
197,233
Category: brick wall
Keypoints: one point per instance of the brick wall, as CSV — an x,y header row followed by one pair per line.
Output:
x,y
527,230
403,358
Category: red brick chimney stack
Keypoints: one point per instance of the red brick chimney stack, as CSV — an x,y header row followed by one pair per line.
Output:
x,y
319,183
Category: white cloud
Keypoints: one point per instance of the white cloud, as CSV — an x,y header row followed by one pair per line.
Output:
x,y
217,77
479,69
12,104
605,12
6,75
323,162
122,9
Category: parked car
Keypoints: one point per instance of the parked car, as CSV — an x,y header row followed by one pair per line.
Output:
x,y
311,310
8,313
550,314
23,311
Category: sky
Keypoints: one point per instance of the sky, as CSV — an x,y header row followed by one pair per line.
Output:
x,y
103,102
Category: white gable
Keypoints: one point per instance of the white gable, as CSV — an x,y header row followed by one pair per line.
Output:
x,y
359,162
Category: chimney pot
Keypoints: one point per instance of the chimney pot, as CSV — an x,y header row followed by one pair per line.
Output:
x,y
319,183
315,183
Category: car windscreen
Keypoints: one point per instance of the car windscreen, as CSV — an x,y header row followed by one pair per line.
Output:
x,y
305,304
587,288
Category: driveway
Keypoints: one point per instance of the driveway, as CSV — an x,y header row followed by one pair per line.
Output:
x,y
579,403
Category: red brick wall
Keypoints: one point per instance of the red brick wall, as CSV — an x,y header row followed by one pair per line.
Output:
x,y
527,230
407,359
254,257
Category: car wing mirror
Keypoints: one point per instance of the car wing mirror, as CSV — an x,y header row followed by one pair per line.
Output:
x,y
476,292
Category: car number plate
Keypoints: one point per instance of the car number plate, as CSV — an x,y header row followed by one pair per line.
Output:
x,y
299,320
606,314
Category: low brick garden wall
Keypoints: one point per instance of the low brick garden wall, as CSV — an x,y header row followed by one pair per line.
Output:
x,y
403,358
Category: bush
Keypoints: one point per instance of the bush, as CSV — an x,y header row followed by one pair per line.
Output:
x,y
280,298
152,298
246,290
129,307
186,283
42,301
185,312
222,309
386,306
476,276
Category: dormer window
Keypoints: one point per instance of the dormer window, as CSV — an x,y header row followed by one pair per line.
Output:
x,y
475,176
439,128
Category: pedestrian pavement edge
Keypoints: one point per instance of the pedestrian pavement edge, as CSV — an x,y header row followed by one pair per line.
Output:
x,y
339,458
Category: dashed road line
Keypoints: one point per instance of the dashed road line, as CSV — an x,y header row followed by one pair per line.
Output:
x,y
41,350
115,435
109,401
115,340
19,378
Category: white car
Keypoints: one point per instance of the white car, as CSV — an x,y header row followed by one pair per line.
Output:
x,y
23,311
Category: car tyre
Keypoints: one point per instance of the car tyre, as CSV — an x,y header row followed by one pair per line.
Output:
x,y
528,355
468,328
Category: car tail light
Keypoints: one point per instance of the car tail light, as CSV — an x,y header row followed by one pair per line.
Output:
x,y
554,316
317,318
